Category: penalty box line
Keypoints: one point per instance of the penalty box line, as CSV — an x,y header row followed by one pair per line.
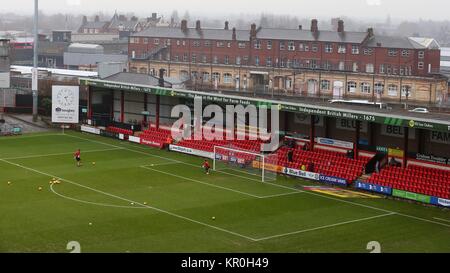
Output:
x,y
58,154
131,201
306,192
217,186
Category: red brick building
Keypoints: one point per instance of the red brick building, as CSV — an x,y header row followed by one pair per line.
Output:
x,y
297,61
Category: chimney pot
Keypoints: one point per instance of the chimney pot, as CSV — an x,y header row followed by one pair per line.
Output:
x,y
300,27
234,34
227,25
370,32
198,25
314,25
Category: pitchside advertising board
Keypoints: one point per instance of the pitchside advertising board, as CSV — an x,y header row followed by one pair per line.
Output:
x,y
65,104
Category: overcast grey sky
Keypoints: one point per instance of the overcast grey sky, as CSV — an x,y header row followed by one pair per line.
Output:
x,y
399,9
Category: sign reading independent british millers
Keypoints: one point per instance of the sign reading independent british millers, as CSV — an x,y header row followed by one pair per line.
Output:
x,y
65,104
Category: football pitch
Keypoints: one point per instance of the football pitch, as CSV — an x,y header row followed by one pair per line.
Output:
x,y
131,198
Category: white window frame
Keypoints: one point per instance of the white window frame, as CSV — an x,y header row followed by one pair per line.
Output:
x,y
355,49
352,87
328,48
392,90
366,88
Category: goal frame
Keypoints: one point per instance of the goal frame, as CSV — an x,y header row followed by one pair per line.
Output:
x,y
263,156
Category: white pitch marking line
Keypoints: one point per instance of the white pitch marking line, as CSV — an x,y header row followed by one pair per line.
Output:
x,y
131,201
282,194
201,182
324,227
92,203
23,137
286,187
440,219
58,154
160,164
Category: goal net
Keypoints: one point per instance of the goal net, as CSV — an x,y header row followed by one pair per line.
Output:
x,y
246,164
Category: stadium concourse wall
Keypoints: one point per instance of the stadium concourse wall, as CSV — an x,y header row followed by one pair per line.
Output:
x,y
284,170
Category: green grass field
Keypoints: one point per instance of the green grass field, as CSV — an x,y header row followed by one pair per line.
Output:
x,y
140,199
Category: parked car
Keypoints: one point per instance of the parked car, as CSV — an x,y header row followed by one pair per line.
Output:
x,y
420,110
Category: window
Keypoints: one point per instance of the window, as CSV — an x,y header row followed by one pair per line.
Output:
x,y
269,61
378,88
257,44
288,83
368,51
168,42
325,85
392,52
421,54
421,65
185,57
328,48
282,46
291,46
351,87
220,44
194,75
205,76
178,42
215,59
256,60
341,65
392,90
194,58
241,45
406,91
238,60
314,48
406,53
355,49
227,78
370,68
365,88
145,40
196,43
301,47
269,45
204,58
207,44
226,60
184,75
342,49
156,41
183,43
327,65
229,44
216,76
355,67
382,69
176,58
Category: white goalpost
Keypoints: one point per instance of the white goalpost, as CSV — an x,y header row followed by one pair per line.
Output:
x,y
244,163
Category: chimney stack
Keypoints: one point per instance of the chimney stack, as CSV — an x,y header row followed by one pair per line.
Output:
x,y
370,32
253,31
197,25
340,26
161,77
97,18
227,25
184,25
234,34
300,27
314,25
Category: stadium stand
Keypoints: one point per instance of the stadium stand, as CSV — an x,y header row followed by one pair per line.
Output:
x,y
118,130
417,179
156,135
325,162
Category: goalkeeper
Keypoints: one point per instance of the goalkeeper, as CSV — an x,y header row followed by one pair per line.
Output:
x,y
206,166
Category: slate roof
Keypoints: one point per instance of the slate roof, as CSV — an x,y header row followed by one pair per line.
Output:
x,y
192,33
136,78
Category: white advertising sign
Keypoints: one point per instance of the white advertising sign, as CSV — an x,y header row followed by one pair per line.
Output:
x,y
65,104
303,174
190,151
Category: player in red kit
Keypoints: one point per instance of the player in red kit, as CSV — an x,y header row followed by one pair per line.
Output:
x,y
77,157
206,166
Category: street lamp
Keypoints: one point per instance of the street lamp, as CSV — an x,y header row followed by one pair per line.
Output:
x,y
35,62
